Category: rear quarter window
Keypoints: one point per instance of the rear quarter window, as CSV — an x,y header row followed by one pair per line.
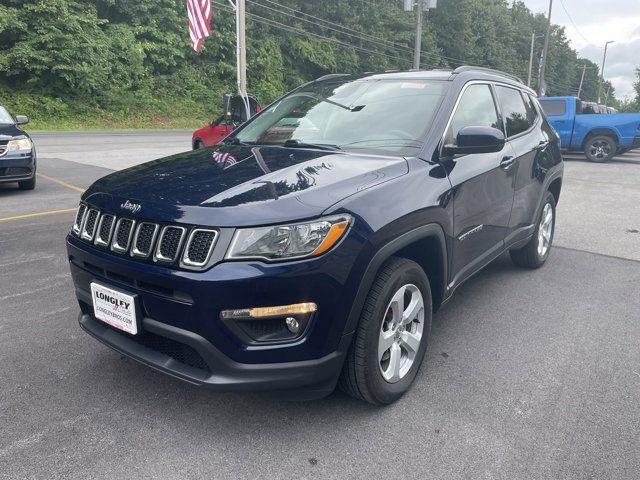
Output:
x,y
554,107
517,118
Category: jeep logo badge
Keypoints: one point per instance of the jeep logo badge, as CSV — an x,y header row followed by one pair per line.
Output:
x,y
132,207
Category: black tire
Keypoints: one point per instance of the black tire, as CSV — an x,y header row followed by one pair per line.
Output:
x,y
27,184
600,149
361,376
198,144
529,255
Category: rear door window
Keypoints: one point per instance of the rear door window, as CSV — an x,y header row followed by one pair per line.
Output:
x,y
514,111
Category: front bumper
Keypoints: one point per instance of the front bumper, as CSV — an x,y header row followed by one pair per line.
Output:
x,y
183,336
162,347
17,167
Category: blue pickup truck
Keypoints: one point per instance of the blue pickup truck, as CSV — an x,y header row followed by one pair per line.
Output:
x,y
599,136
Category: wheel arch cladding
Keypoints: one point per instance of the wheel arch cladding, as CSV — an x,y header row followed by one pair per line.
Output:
x,y
598,132
555,188
424,245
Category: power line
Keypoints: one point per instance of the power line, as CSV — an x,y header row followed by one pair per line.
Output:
x,y
298,31
574,24
366,37
349,31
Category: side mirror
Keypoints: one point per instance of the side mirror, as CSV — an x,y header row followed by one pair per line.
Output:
x,y
476,140
22,119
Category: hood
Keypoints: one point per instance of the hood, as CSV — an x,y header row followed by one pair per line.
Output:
x,y
9,131
242,185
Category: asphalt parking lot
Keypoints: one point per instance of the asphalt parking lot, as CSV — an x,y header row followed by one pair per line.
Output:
x,y
528,375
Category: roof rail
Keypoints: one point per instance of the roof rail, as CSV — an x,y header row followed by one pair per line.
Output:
x,y
470,68
332,75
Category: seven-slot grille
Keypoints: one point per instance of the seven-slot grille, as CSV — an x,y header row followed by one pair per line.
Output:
x,y
77,225
3,148
169,243
123,234
105,229
143,241
199,247
146,240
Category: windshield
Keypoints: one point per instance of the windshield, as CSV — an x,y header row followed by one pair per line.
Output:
x,y
5,117
387,115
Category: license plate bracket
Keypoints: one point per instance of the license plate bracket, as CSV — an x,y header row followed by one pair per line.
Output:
x,y
116,308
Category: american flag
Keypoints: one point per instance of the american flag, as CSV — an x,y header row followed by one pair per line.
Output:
x,y
199,21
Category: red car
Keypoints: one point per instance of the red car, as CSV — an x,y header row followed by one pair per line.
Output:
x,y
216,130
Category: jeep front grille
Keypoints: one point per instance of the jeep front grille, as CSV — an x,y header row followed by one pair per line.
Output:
x,y
90,224
190,248
169,243
123,234
77,224
105,229
199,247
143,240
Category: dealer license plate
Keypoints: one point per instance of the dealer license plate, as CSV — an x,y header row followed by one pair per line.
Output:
x,y
115,308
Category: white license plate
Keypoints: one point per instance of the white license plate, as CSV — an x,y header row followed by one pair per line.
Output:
x,y
115,308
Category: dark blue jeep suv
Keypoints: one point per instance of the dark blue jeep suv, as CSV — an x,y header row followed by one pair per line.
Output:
x,y
312,247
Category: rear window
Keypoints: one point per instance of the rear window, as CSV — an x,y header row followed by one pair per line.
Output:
x,y
554,107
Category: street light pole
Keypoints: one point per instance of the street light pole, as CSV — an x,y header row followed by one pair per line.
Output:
x,y
604,59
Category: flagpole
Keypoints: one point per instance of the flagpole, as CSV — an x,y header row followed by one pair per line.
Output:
x,y
241,54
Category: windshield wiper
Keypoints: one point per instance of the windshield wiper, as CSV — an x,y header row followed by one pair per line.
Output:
x,y
295,143
235,141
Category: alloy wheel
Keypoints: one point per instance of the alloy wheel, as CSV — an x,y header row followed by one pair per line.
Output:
x,y
401,333
600,149
545,231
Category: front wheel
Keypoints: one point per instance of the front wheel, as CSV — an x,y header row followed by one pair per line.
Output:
x,y
535,253
198,144
391,338
600,149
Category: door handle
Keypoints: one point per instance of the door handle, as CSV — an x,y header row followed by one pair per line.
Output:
x,y
507,162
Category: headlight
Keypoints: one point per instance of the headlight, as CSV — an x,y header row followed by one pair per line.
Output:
x,y
20,144
288,242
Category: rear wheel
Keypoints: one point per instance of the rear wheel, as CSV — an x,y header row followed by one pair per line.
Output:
x,y
536,252
600,149
391,338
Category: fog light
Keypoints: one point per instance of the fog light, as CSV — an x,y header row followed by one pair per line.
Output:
x,y
284,323
292,325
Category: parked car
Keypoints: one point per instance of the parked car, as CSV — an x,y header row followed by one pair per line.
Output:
x,y
318,259
600,137
17,153
234,114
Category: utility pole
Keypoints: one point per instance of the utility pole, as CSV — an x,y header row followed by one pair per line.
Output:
x,y
604,59
241,54
423,5
542,88
584,70
418,48
533,43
